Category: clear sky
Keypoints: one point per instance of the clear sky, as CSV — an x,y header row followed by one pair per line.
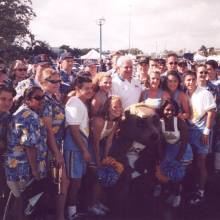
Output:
x,y
155,24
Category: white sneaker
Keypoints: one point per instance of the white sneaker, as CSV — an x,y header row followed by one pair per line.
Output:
x,y
71,212
176,201
103,207
197,198
96,210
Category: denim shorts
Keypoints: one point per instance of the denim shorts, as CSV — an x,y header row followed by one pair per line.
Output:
x,y
173,149
195,140
75,164
92,151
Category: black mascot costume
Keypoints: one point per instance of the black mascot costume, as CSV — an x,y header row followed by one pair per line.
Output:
x,y
136,147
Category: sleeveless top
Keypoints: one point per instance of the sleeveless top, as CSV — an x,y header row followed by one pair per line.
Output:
x,y
171,137
153,102
106,131
175,97
103,98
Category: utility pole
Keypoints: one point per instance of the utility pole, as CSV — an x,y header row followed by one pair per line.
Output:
x,y
100,22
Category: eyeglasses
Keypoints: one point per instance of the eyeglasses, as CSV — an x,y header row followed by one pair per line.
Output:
x,y
22,69
203,72
38,98
53,81
173,63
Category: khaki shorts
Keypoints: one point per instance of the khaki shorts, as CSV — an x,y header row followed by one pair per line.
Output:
x,y
17,187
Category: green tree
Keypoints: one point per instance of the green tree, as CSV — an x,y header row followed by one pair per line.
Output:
x,y
15,17
75,51
66,48
13,52
40,47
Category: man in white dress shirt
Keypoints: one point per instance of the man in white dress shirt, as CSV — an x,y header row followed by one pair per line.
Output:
x,y
123,85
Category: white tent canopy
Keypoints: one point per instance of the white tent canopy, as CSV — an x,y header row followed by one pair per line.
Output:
x,y
92,55
199,58
214,57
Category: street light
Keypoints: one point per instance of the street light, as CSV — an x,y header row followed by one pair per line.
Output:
x,y
100,22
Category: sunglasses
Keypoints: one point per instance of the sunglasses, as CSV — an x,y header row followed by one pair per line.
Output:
x,y
22,69
38,98
53,81
173,63
203,72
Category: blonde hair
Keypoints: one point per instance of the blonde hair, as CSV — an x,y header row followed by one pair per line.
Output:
x,y
17,63
150,72
14,66
46,74
97,79
108,103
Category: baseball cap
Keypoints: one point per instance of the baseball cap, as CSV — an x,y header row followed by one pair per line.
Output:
x,y
143,60
42,59
182,62
89,62
162,61
66,55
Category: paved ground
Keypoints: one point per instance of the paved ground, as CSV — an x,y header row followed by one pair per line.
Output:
x,y
148,208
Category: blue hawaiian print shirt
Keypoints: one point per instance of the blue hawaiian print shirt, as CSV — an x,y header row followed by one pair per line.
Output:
x,y
55,110
27,130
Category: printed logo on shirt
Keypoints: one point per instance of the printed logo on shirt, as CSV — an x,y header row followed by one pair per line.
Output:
x,y
195,115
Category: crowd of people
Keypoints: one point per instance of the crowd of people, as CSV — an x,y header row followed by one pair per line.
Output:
x,y
50,111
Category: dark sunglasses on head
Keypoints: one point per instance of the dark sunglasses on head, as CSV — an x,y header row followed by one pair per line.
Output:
x,y
22,69
53,81
173,63
38,98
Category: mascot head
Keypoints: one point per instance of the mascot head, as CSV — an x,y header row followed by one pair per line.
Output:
x,y
141,124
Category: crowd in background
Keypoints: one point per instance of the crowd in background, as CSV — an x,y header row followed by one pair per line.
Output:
x,y
56,111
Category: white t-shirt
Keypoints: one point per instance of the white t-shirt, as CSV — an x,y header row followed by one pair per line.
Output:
x,y
201,102
77,114
129,92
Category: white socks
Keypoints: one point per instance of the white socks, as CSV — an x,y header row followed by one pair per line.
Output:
x,y
201,192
